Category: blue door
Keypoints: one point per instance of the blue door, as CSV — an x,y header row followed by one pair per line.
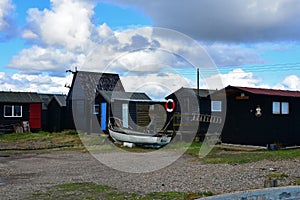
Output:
x,y
103,116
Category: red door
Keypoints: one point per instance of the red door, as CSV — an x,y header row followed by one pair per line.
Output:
x,y
35,115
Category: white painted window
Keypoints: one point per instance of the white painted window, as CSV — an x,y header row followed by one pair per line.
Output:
x,y
96,109
280,108
216,106
12,111
285,108
276,107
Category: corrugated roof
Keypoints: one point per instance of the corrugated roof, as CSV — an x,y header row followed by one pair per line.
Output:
x,y
261,91
20,97
111,95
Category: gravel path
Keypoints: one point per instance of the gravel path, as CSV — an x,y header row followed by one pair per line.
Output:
x,y
21,174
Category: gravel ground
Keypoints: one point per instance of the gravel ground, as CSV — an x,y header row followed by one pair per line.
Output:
x,y
21,174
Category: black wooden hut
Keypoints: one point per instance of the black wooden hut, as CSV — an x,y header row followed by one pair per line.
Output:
x,y
82,94
56,110
194,109
46,99
19,107
94,98
260,117
134,109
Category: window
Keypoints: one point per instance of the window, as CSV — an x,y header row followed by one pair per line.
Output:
x,y
280,108
216,106
96,109
276,107
284,108
12,111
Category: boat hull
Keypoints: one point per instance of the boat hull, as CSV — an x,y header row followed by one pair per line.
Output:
x,y
139,139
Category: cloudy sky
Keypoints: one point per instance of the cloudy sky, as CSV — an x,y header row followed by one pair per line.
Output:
x,y
155,45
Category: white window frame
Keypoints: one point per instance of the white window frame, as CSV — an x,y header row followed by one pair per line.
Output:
x,y
288,108
96,109
12,111
276,104
213,106
279,110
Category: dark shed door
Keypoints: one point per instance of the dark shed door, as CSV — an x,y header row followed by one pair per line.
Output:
x,y
35,114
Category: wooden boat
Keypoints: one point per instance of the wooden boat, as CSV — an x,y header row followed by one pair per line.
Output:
x,y
155,140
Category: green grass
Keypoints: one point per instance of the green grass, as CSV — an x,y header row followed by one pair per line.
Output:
x,y
39,140
296,182
277,176
94,191
220,155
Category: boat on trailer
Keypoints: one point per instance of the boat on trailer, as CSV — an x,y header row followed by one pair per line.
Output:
x,y
147,139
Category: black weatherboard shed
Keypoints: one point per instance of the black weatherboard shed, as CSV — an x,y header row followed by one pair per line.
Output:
x,y
81,98
16,107
193,108
94,98
130,107
46,99
260,117
56,115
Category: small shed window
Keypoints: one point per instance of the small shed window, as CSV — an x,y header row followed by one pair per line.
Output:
x,y
96,109
284,108
280,108
12,111
276,108
216,106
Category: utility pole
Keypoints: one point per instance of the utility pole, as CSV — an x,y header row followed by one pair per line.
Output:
x,y
198,82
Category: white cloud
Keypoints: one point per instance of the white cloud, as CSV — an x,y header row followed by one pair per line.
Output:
x,y
291,82
28,34
33,83
67,24
6,6
236,77
7,28
38,60
157,86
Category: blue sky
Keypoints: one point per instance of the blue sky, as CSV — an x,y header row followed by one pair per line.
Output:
x,y
253,44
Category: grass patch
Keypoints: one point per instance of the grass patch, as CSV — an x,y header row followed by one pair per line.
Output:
x,y
219,155
296,182
39,140
277,176
94,191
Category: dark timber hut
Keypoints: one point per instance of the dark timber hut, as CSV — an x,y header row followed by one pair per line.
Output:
x,y
260,117
56,113
130,107
194,109
82,94
19,107
46,98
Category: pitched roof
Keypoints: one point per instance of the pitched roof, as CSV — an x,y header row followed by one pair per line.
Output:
x,y
129,96
202,92
272,92
85,84
61,100
46,98
19,97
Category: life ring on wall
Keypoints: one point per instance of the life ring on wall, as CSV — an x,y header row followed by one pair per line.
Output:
x,y
168,109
